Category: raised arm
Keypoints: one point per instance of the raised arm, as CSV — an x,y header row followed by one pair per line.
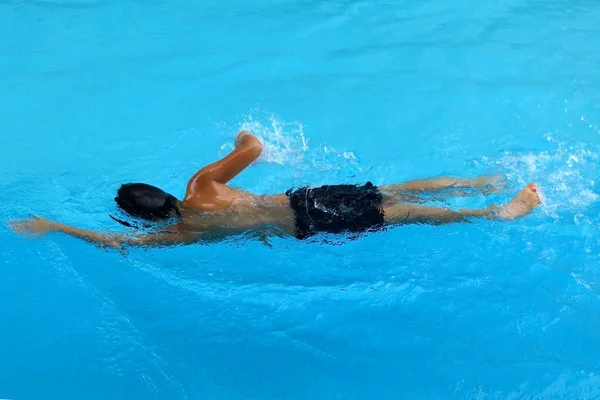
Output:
x,y
247,149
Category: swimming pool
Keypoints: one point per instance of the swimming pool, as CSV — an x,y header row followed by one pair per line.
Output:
x,y
97,93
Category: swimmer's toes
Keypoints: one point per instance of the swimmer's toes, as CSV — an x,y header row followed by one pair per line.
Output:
x,y
523,203
533,193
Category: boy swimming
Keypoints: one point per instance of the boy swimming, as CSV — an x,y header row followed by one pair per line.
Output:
x,y
212,208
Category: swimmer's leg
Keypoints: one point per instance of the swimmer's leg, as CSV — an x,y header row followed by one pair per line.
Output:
x,y
519,207
425,185
415,214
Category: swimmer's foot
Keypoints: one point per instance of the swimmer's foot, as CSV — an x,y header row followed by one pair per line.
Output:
x,y
522,204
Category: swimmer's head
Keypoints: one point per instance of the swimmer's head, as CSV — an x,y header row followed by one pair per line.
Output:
x,y
148,202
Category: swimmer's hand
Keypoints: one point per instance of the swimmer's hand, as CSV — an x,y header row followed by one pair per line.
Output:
x,y
239,137
35,226
245,138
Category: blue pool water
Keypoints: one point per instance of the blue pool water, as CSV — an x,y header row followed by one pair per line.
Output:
x,y
94,93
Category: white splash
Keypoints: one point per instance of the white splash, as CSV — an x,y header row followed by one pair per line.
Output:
x,y
284,143
565,175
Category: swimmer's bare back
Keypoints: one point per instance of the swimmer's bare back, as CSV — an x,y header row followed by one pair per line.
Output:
x,y
211,207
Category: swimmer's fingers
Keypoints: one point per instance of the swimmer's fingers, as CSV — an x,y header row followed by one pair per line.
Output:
x,y
30,227
21,226
16,225
239,136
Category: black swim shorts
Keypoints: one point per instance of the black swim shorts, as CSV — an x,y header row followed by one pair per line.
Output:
x,y
336,209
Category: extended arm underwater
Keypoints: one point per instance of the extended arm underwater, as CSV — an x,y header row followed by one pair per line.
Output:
x,y
40,226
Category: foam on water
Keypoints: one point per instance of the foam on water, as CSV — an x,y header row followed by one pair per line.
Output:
x,y
286,145
284,142
566,174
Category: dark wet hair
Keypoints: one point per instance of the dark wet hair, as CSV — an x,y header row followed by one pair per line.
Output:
x,y
147,202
